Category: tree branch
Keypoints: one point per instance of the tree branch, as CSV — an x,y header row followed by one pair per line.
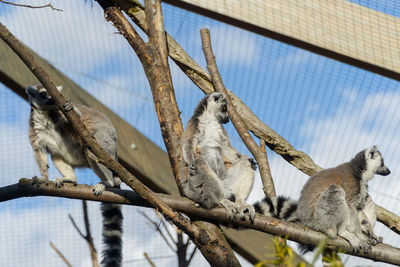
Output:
x,y
76,226
219,86
158,229
60,254
29,6
149,260
89,238
294,232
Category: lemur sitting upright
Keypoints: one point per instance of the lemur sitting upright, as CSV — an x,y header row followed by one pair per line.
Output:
x,y
213,173
50,131
336,202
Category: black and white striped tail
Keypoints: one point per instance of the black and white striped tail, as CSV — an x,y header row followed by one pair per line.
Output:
x,y
112,235
278,207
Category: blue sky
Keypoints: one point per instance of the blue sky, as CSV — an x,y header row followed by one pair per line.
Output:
x,y
326,108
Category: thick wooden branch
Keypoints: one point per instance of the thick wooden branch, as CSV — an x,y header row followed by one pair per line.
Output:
x,y
273,140
183,223
154,59
237,121
298,233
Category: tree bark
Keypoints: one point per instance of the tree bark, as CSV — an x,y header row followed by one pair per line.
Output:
x,y
295,232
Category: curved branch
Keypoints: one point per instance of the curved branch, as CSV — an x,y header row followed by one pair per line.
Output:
x,y
294,232
237,121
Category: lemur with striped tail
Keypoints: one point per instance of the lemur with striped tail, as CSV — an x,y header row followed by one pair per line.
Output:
x,y
213,173
50,132
336,202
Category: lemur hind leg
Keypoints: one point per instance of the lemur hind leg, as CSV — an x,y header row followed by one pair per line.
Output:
x,y
334,217
238,184
66,170
106,175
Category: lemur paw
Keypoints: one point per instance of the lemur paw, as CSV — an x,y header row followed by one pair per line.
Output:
x,y
192,169
59,182
231,208
374,240
99,189
253,164
363,247
42,180
68,106
243,209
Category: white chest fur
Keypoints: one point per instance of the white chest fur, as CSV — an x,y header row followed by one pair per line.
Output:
x,y
56,140
210,143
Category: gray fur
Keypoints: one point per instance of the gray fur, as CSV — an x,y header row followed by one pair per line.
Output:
x,y
213,173
50,132
336,202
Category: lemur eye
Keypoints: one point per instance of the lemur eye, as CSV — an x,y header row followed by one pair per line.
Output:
x,y
43,94
224,108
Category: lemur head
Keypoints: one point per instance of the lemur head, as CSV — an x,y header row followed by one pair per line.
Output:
x,y
369,162
39,98
212,107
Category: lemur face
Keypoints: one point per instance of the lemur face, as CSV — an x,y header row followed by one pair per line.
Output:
x,y
374,161
218,104
39,98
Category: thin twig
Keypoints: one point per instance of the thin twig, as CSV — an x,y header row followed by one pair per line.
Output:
x,y
60,254
158,229
219,86
89,238
148,259
167,230
29,6
191,255
76,227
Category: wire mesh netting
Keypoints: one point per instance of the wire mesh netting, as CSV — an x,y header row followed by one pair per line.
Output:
x,y
328,109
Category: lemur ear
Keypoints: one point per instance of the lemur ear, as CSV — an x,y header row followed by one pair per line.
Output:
x,y
59,88
370,152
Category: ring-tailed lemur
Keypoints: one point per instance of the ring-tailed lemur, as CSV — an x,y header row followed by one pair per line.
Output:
x,y
336,202
213,173
50,131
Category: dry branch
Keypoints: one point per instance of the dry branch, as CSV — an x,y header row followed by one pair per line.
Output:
x,y
295,232
219,86
273,140
59,253
29,6
88,237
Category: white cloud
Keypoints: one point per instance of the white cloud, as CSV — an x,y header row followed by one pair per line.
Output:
x,y
78,37
230,45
